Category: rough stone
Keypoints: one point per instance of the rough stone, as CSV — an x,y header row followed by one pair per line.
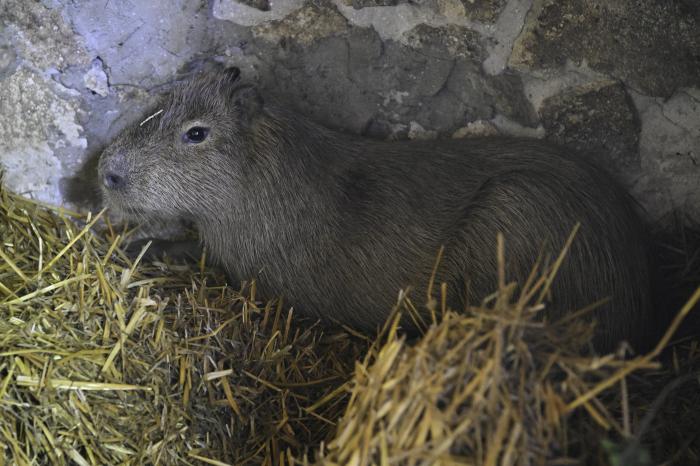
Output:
x,y
41,134
359,4
140,43
8,57
501,35
485,95
413,72
538,87
652,46
390,23
416,131
599,119
246,15
357,82
314,21
446,42
476,129
508,96
96,79
670,155
262,5
442,112
480,94
477,10
315,80
41,36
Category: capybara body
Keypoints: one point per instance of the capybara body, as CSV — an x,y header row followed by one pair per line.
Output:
x,y
337,224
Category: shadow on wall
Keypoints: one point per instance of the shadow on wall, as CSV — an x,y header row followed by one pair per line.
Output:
x,y
83,188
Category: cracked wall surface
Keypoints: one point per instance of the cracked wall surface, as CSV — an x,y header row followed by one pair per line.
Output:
x,y
619,81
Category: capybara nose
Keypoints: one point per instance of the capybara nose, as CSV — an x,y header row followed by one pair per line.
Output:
x,y
112,170
112,180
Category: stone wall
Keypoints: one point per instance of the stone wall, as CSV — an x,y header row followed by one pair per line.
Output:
x,y
618,80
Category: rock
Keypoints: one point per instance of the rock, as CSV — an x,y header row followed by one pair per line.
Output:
x,y
670,156
242,13
512,128
391,23
416,73
142,44
359,4
416,131
652,46
476,129
441,112
315,80
8,56
599,119
96,78
483,95
446,42
365,50
314,21
486,11
40,134
479,93
42,37
262,5
356,81
508,95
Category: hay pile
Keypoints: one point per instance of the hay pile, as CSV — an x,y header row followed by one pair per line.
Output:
x,y
104,361
494,387
108,361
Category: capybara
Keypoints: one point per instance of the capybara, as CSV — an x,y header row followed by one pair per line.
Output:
x,y
337,224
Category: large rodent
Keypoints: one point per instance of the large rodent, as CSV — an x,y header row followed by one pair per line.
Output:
x,y
337,223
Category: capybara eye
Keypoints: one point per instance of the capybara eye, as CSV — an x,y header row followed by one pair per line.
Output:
x,y
196,134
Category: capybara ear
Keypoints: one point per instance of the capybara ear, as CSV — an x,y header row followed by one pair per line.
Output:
x,y
231,74
247,101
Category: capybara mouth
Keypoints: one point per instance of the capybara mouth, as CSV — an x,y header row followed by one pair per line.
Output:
x,y
120,204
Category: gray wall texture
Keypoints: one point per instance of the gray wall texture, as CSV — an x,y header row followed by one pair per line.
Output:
x,y
619,80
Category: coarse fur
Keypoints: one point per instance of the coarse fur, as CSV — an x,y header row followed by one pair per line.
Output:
x,y
337,223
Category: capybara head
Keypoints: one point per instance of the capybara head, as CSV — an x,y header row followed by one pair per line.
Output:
x,y
174,162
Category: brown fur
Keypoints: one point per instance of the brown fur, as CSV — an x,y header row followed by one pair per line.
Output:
x,y
338,223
